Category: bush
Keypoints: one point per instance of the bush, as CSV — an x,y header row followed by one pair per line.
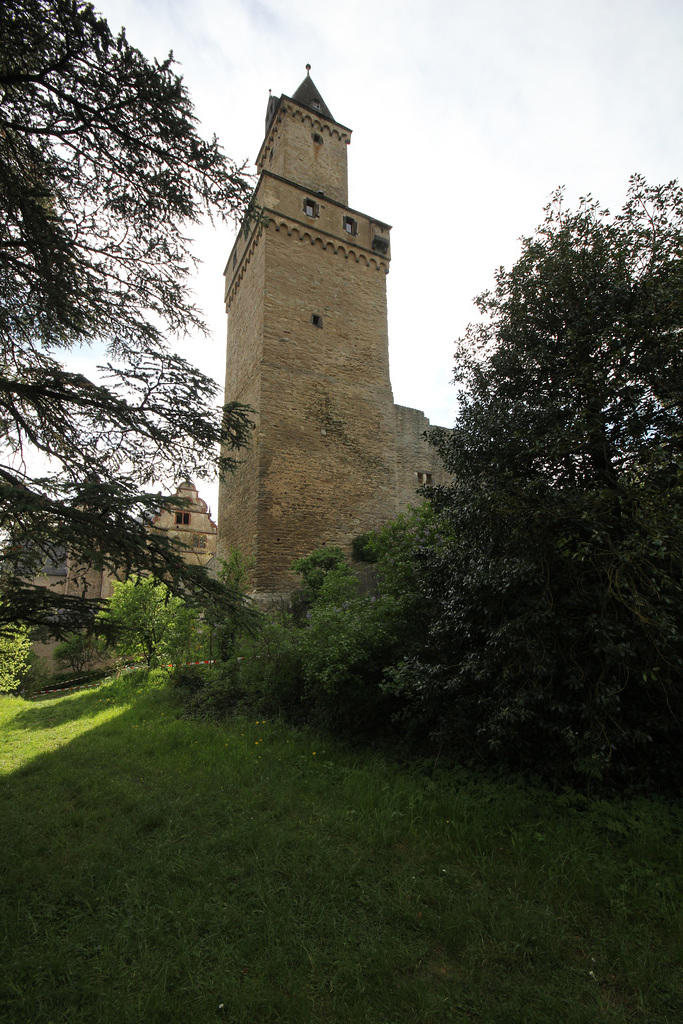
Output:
x,y
366,547
37,676
314,568
269,669
144,621
189,678
80,652
263,676
15,645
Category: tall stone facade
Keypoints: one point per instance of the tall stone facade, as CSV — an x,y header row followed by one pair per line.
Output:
x,y
308,349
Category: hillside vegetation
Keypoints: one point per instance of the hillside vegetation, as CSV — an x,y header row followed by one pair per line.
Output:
x,y
165,869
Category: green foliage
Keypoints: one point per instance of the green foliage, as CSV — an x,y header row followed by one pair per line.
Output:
x,y
314,568
37,677
103,177
556,633
344,650
15,647
326,666
141,851
144,621
226,619
80,651
268,672
364,547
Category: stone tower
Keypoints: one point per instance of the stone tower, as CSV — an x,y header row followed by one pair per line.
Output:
x,y
308,350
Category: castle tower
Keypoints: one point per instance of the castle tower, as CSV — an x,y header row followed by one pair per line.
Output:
x,y
305,292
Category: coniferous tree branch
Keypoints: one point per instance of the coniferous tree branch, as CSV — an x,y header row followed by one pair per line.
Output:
x,y
102,175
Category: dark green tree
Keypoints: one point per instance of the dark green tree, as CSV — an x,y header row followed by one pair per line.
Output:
x,y
102,174
80,652
556,642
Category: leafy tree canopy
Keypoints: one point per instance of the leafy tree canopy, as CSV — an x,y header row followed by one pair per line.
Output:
x,y
139,619
557,634
15,646
102,173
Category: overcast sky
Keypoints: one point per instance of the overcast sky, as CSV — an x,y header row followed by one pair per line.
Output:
x,y
466,115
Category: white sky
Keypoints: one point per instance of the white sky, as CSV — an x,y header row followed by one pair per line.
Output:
x,y
466,115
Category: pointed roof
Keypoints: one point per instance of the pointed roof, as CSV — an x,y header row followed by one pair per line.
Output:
x,y
309,96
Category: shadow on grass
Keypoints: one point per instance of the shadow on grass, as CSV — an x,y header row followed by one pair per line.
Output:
x,y
59,709
165,871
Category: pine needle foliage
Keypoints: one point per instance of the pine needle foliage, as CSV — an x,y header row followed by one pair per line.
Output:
x,y
102,175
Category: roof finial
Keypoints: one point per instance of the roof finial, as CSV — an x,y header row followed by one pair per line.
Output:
x,y
308,69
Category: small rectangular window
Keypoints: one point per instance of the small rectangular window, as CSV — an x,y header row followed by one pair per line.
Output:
x,y
317,138
199,540
350,226
182,518
311,208
424,479
317,320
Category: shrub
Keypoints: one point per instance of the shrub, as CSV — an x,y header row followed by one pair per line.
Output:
x,y
344,647
366,547
269,668
15,645
80,652
145,622
314,568
263,675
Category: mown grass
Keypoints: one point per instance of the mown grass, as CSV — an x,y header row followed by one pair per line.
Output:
x,y
159,869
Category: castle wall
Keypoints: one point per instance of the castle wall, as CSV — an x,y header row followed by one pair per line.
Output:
x,y
417,462
326,402
292,152
308,348
238,497
324,451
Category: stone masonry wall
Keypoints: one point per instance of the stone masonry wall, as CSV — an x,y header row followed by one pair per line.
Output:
x,y
417,462
327,429
322,466
238,494
291,152
308,349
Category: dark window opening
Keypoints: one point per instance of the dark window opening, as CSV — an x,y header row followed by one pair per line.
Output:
x,y
380,245
424,478
317,138
182,518
350,225
199,540
317,320
311,208
270,156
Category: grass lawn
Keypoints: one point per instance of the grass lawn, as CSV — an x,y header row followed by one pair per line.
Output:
x,y
162,870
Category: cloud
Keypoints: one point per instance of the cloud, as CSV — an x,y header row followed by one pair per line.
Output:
x,y
465,116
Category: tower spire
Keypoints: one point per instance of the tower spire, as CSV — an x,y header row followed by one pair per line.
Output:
x,y
308,95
